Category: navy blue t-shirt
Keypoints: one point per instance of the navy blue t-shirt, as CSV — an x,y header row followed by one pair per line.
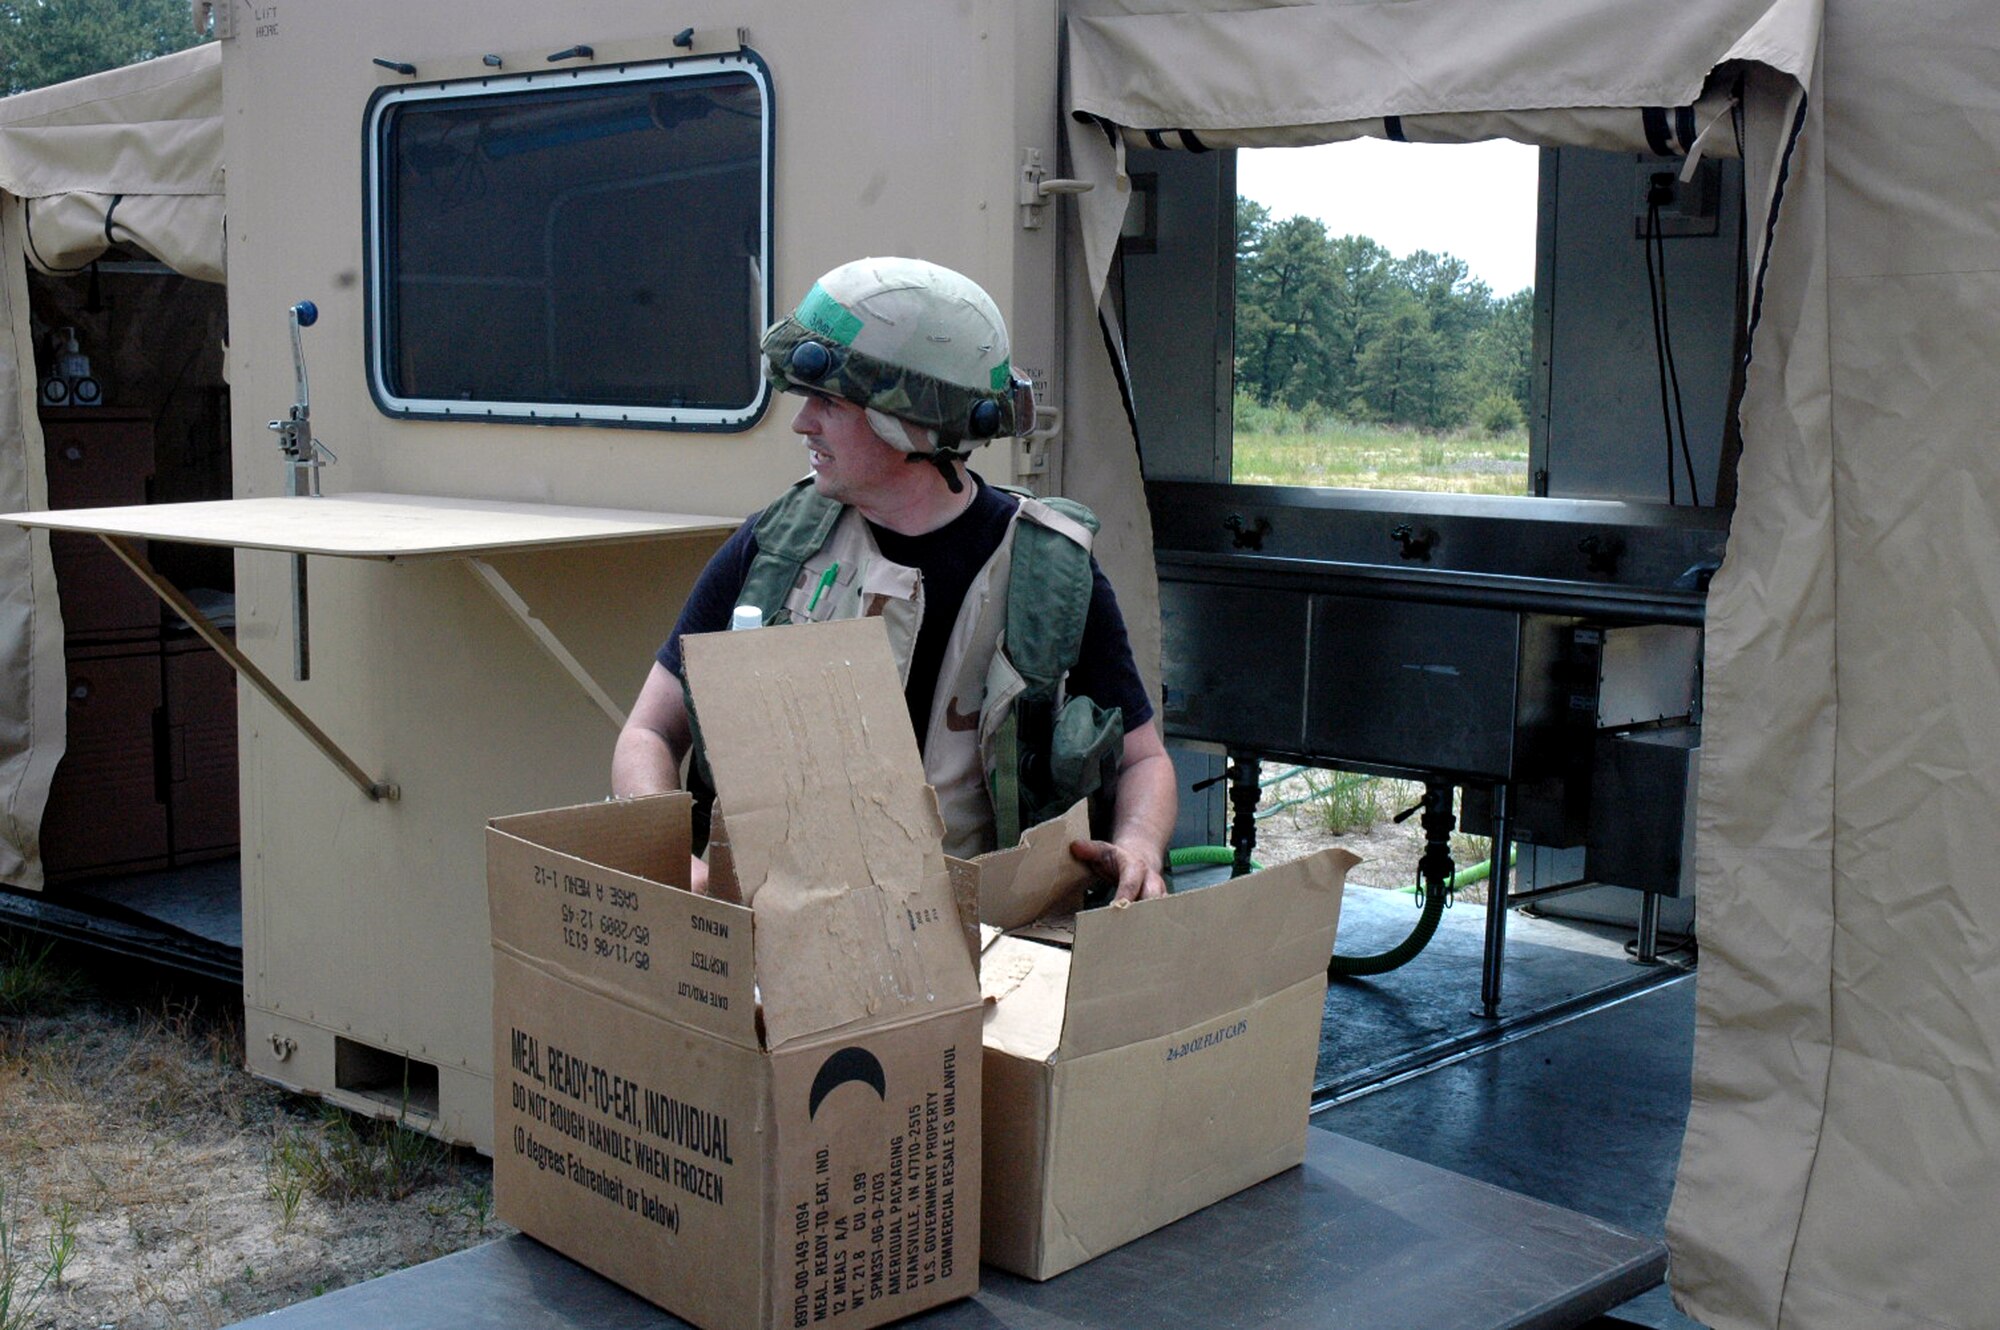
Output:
x,y
948,559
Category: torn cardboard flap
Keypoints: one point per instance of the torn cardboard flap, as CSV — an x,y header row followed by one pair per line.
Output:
x,y
1165,964
834,838
1038,876
1025,985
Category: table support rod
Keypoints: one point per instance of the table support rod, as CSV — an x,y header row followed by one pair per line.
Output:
x,y
301,622
503,590
129,554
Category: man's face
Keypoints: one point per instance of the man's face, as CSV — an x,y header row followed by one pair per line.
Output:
x,y
850,463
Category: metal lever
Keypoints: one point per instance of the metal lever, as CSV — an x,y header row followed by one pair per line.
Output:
x,y
1247,535
303,455
1037,188
1601,553
1414,543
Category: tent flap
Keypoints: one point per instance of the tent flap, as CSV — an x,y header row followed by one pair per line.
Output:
x,y
1229,67
132,154
64,233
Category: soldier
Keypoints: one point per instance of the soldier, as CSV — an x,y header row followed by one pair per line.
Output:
x,y
1018,673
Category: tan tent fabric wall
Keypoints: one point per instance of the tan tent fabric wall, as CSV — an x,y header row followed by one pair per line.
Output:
x,y
31,663
1764,832
1854,866
141,146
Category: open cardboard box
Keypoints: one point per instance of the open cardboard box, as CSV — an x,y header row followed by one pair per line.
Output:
x,y
1142,1061
761,1113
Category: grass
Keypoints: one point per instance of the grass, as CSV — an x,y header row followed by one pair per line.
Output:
x,y
23,1278
1341,802
146,1178
1274,446
341,1157
1346,801
30,978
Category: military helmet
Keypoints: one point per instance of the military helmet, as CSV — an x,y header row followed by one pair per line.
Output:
x,y
906,338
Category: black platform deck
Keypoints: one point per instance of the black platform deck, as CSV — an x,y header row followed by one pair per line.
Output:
x,y
1358,1238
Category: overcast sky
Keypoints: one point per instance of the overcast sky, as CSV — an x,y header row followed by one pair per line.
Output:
x,y
1475,201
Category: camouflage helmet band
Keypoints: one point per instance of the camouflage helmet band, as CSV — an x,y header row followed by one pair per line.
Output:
x,y
796,358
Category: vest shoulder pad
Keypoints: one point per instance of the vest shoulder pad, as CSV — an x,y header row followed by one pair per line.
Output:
x,y
791,531
797,522
1048,595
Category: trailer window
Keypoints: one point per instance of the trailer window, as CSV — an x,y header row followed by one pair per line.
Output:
x,y
580,247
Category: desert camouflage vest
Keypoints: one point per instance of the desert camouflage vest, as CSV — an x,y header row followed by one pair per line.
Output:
x,y
1003,748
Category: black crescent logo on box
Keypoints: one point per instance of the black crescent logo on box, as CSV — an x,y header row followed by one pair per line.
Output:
x,y
846,1064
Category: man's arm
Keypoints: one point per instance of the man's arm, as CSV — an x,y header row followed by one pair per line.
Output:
x,y
1144,808
647,759
656,736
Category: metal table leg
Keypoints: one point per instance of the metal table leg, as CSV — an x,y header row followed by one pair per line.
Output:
x,y
1649,928
1496,910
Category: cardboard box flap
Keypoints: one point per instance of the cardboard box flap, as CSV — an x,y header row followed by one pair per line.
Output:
x,y
1036,877
1025,986
648,837
1142,970
586,892
835,839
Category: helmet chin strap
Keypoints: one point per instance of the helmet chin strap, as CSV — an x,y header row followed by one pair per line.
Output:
x,y
942,457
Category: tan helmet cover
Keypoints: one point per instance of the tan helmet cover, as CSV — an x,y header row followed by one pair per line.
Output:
x,y
904,337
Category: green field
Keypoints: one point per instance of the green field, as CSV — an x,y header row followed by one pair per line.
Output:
x,y
1276,447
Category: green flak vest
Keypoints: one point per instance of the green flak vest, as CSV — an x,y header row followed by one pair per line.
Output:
x,y
1005,748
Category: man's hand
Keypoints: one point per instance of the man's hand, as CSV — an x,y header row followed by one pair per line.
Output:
x,y
1142,821
1136,875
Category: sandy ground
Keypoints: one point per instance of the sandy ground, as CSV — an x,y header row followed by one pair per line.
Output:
x,y
150,1182
147,1181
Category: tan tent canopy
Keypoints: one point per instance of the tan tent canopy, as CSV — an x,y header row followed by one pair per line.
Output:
x,y
130,155
1621,75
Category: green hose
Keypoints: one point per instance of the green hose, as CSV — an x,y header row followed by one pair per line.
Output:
x,y
1361,967
1204,856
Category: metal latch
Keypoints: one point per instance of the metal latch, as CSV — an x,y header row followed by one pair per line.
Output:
x,y
1037,188
1033,458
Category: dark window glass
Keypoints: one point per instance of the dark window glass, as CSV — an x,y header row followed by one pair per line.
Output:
x,y
583,247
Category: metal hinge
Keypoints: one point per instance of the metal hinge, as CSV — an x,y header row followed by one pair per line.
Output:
x,y
216,15
1037,189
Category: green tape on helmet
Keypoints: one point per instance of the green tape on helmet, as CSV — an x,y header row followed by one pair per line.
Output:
x,y
828,317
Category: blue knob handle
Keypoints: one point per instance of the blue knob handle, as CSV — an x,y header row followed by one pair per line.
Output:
x,y
308,313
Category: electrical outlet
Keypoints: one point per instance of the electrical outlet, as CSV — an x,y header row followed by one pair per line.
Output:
x,y
1687,207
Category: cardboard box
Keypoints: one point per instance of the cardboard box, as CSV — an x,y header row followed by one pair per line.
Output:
x,y
762,1114
1142,1061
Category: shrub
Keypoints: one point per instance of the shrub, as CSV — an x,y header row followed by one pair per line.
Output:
x,y
1497,413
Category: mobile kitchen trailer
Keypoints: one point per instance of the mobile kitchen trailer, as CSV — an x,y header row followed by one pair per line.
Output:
x,y
1838,1156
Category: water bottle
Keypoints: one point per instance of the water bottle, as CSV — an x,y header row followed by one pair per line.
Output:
x,y
745,616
